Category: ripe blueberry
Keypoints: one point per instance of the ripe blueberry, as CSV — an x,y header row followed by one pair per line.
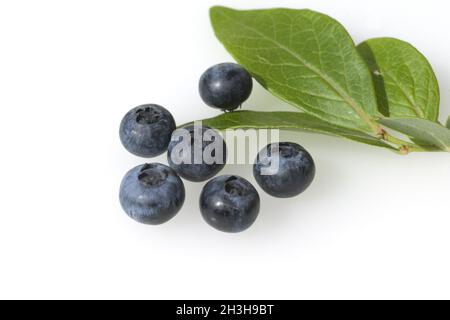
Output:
x,y
229,203
145,130
196,152
151,193
294,173
225,86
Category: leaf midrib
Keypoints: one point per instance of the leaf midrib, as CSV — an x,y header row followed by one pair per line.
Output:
x,y
329,81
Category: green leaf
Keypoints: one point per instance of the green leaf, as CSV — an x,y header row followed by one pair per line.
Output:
x,y
303,57
448,122
288,121
423,132
404,80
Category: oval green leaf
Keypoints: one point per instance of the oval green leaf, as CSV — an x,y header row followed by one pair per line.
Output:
x,y
423,132
303,57
406,85
288,121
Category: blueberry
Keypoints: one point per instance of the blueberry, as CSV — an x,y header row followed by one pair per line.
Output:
x,y
229,203
225,86
145,130
151,193
293,174
196,152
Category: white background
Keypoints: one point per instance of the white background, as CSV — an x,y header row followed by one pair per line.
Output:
x,y
374,224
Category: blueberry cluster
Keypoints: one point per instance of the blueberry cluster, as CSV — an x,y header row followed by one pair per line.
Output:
x,y
154,193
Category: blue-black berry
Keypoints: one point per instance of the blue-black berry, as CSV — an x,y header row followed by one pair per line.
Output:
x,y
197,153
225,86
146,130
285,170
229,203
151,193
